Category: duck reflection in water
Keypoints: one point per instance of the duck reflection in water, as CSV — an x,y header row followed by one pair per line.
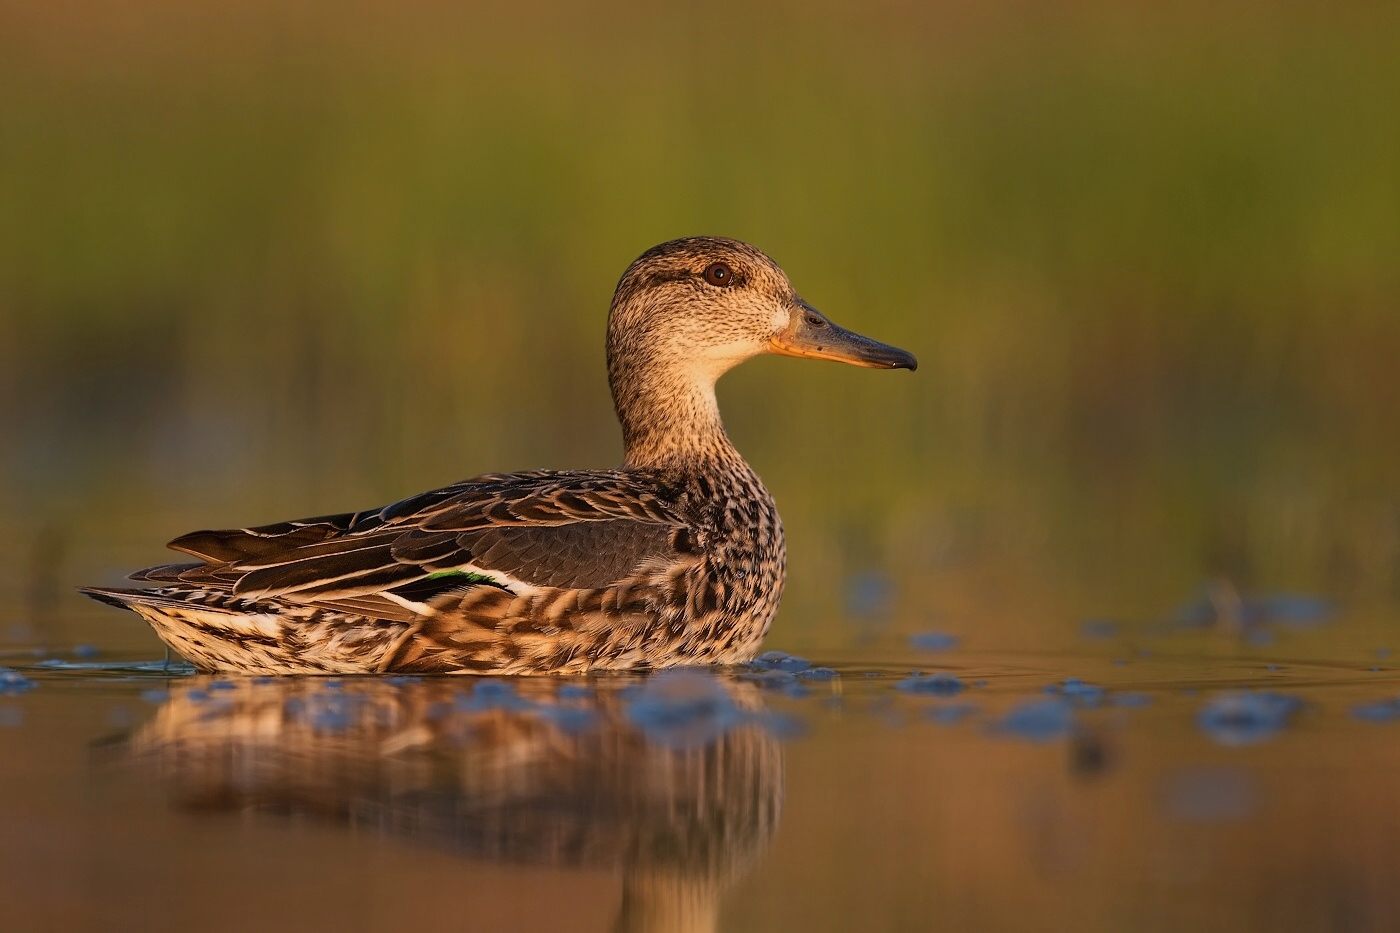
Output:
x,y
675,782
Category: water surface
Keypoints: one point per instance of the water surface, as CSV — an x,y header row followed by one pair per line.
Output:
x,y
1158,791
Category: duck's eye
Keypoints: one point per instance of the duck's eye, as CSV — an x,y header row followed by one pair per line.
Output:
x,y
719,274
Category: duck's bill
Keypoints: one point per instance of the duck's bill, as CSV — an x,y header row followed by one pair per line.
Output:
x,y
812,336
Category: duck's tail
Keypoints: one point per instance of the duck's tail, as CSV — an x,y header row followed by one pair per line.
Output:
x,y
129,599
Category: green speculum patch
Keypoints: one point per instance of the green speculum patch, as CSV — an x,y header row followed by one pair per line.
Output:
x,y
462,576
436,584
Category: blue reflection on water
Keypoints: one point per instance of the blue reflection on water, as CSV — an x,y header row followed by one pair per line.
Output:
x,y
1241,717
950,714
13,683
328,711
1078,692
779,661
1131,700
933,641
1380,711
1221,606
1037,721
819,673
940,685
488,694
684,709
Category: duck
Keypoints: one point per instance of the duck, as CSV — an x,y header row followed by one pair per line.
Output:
x,y
675,558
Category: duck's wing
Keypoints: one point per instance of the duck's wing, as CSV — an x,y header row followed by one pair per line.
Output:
x,y
577,530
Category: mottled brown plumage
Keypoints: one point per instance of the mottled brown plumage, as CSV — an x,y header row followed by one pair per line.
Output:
x,y
675,558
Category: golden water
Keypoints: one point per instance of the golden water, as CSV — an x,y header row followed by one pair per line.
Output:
x,y
141,799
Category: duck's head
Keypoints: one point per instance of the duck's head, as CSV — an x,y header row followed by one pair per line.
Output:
x,y
687,311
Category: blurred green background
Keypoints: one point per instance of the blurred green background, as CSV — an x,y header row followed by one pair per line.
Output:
x,y
268,259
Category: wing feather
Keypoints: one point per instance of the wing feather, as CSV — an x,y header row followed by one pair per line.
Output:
x,y
571,530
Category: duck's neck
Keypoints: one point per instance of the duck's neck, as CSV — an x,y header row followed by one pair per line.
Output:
x,y
670,418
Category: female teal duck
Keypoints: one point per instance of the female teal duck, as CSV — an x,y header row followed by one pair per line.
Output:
x,y
675,558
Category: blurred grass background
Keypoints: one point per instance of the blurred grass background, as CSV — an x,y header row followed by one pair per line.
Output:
x,y
260,260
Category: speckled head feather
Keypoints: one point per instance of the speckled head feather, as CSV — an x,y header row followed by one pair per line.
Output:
x,y
676,558
672,333
675,327
665,308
